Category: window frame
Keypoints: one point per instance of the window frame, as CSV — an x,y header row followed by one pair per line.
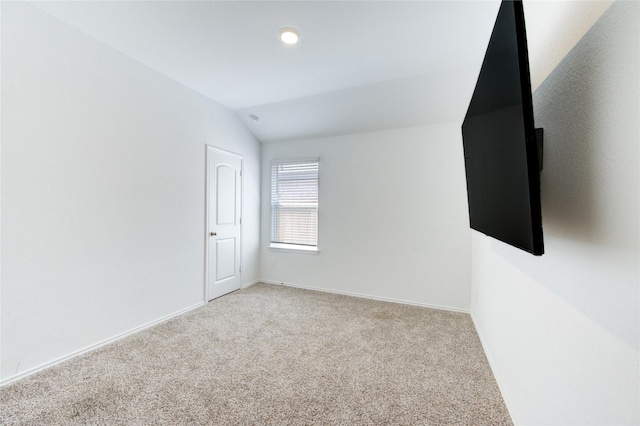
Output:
x,y
287,247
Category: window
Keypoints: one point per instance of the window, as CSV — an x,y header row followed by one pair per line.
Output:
x,y
294,204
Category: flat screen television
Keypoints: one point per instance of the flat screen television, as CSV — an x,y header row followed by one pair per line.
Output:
x,y
500,143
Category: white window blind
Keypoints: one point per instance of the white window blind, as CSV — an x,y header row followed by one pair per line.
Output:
x,y
294,204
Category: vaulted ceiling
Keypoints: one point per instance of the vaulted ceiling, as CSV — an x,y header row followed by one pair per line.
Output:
x,y
359,66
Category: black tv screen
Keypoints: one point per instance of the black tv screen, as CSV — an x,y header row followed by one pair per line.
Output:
x,y
499,139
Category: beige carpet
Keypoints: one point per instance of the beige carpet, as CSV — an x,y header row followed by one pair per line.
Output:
x,y
279,356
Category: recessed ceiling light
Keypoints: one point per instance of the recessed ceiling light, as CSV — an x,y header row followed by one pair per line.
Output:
x,y
289,35
254,118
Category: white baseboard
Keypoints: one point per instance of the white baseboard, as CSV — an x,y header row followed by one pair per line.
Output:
x,y
95,346
368,296
501,387
250,284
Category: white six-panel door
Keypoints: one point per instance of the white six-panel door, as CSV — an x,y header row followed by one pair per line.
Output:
x,y
224,209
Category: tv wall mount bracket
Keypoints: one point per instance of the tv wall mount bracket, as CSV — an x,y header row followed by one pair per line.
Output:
x,y
539,137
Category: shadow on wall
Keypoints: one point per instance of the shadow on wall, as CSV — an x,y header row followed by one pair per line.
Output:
x,y
589,108
566,106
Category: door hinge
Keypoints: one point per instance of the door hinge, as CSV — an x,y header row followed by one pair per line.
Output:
x,y
240,173
240,269
240,221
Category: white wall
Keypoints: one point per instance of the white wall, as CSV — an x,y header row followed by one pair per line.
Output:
x,y
103,174
554,28
562,330
393,219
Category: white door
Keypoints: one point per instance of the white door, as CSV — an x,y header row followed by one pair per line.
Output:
x,y
224,208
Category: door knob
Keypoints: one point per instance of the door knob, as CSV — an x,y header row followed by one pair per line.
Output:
x,y
213,234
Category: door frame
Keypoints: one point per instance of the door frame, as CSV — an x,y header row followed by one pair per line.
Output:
x,y
208,150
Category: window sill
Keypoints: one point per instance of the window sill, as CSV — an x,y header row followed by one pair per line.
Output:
x,y
292,248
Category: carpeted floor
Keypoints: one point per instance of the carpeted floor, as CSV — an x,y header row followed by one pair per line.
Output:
x,y
278,356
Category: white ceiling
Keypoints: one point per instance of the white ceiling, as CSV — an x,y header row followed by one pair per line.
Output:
x,y
359,66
